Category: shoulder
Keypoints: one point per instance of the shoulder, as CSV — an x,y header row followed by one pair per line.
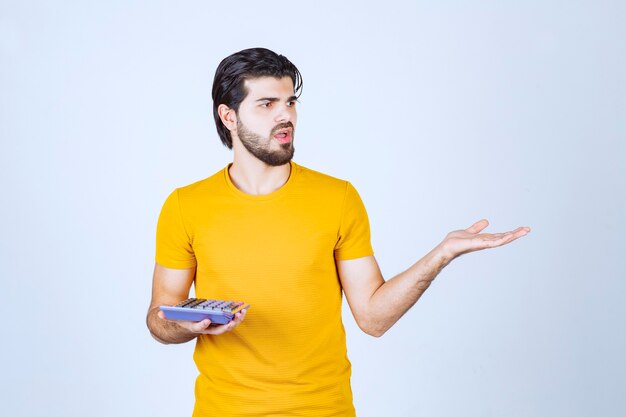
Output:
x,y
319,179
331,189
203,187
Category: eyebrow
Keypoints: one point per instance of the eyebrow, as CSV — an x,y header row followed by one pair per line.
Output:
x,y
274,99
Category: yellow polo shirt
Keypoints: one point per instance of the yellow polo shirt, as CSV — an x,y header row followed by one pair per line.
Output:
x,y
276,252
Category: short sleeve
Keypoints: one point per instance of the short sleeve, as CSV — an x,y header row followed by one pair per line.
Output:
x,y
354,229
173,245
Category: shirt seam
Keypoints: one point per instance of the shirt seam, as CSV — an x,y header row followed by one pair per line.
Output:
x,y
182,220
341,213
273,196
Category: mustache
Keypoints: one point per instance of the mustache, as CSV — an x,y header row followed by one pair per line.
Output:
x,y
282,126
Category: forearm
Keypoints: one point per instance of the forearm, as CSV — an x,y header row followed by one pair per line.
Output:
x,y
396,296
167,331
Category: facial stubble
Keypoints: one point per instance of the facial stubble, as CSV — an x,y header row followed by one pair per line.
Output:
x,y
260,147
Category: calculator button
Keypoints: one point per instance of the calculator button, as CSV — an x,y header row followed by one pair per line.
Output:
x,y
231,307
223,305
185,303
196,303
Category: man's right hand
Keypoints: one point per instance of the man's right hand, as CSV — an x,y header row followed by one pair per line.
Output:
x,y
205,326
170,286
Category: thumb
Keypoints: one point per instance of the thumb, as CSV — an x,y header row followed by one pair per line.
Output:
x,y
478,226
201,325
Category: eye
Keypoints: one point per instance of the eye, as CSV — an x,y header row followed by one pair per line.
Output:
x,y
292,103
266,104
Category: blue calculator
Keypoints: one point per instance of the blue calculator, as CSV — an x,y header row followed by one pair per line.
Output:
x,y
198,309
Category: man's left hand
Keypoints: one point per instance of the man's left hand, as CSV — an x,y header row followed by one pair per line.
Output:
x,y
460,242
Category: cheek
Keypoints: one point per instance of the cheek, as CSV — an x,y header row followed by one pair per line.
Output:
x,y
256,123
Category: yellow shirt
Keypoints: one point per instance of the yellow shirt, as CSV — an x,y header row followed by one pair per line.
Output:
x,y
276,252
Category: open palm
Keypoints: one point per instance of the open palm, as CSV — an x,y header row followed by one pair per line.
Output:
x,y
459,242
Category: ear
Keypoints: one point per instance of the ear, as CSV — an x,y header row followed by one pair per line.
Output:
x,y
228,117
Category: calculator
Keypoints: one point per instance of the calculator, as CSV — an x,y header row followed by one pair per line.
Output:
x,y
198,309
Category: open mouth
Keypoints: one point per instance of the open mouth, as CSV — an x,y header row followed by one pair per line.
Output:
x,y
283,136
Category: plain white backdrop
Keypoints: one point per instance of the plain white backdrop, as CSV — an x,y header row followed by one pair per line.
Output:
x,y
440,113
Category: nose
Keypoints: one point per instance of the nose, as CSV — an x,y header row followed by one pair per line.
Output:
x,y
285,114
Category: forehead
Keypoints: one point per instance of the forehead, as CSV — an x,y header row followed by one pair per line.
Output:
x,y
268,87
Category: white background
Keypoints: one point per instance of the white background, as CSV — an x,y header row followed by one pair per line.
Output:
x,y
440,113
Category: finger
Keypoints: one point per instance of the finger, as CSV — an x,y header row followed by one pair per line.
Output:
x,y
490,243
240,316
223,328
524,228
478,226
503,239
200,326
491,236
236,320
520,231
218,329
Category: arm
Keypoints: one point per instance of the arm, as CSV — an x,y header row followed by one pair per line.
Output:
x,y
169,287
377,305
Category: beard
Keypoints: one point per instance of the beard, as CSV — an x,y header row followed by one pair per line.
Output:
x,y
260,147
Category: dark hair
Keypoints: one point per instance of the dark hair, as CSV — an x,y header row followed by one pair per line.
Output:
x,y
231,73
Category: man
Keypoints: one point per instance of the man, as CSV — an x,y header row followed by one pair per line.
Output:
x,y
287,240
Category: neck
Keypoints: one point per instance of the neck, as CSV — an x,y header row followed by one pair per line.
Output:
x,y
255,177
